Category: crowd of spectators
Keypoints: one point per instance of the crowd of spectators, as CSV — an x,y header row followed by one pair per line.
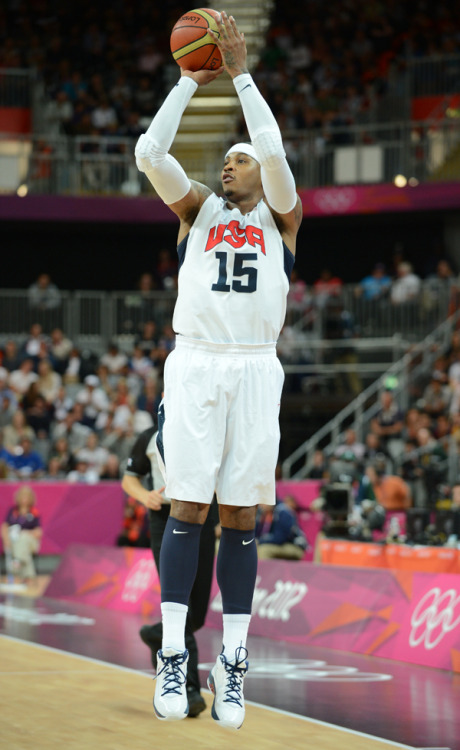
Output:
x,y
402,459
64,416
326,65
64,419
60,421
104,68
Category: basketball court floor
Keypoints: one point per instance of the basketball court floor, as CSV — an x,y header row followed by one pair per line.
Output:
x,y
74,676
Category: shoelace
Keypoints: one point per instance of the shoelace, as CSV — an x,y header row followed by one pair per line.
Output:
x,y
235,673
174,677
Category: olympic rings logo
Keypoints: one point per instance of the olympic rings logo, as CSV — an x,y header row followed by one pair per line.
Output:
x,y
434,617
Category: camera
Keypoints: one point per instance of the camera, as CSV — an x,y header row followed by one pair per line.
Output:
x,y
337,507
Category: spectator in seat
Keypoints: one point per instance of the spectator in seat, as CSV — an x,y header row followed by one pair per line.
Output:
x,y
82,473
5,391
284,539
389,490
406,286
437,395
93,454
94,399
60,451
60,348
140,364
20,379
72,430
18,428
318,468
44,294
39,416
111,470
26,463
115,360
388,423
10,357
375,286
49,381
149,398
351,443
54,472
148,339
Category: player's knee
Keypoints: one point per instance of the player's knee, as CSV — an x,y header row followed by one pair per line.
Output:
x,y
240,518
189,512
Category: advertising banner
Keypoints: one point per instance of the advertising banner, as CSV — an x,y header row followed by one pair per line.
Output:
x,y
410,617
401,615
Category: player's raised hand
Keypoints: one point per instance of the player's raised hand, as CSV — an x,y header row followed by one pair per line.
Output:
x,y
232,45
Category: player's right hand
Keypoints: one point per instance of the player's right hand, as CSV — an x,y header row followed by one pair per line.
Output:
x,y
203,77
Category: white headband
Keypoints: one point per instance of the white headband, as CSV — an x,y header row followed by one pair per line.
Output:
x,y
243,148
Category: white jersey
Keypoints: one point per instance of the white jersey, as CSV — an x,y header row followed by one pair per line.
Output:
x,y
233,276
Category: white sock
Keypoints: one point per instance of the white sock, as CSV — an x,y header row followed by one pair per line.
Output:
x,y
235,633
173,616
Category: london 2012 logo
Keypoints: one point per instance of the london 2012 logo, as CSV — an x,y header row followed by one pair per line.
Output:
x,y
436,614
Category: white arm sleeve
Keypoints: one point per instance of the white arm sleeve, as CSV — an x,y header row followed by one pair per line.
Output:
x,y
277,178
163,170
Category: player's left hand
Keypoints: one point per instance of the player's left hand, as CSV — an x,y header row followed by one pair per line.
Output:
x,y
232,45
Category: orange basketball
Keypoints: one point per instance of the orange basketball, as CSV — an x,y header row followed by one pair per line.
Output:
x,y
191,45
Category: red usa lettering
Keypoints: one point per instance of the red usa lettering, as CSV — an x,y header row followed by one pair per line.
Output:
x,y
235,236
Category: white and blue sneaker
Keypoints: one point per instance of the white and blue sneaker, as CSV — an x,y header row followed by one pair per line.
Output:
x,y
170,701
225,681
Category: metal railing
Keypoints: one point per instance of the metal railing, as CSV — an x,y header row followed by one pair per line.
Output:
x,y
90,318
375,153
358,414
359,154
434,75
96,316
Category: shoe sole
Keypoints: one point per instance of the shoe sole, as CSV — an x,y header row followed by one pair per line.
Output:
x,y
169,718
223,724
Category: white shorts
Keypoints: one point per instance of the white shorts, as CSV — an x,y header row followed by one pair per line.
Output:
x,y
219,422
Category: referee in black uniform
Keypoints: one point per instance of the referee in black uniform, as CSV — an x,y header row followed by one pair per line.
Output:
x,y
142,481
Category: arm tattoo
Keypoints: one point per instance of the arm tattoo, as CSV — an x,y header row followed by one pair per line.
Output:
x,y
203,192
230,60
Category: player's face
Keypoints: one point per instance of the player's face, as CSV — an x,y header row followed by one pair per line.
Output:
x,y
241,174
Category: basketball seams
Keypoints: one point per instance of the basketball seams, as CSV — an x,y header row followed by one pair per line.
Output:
x,y
192,47
209,18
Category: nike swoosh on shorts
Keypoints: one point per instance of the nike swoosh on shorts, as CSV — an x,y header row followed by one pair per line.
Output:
x,y
251,540
175,531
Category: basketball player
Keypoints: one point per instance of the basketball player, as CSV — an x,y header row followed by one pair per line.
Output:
x,y
143,465
219,428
